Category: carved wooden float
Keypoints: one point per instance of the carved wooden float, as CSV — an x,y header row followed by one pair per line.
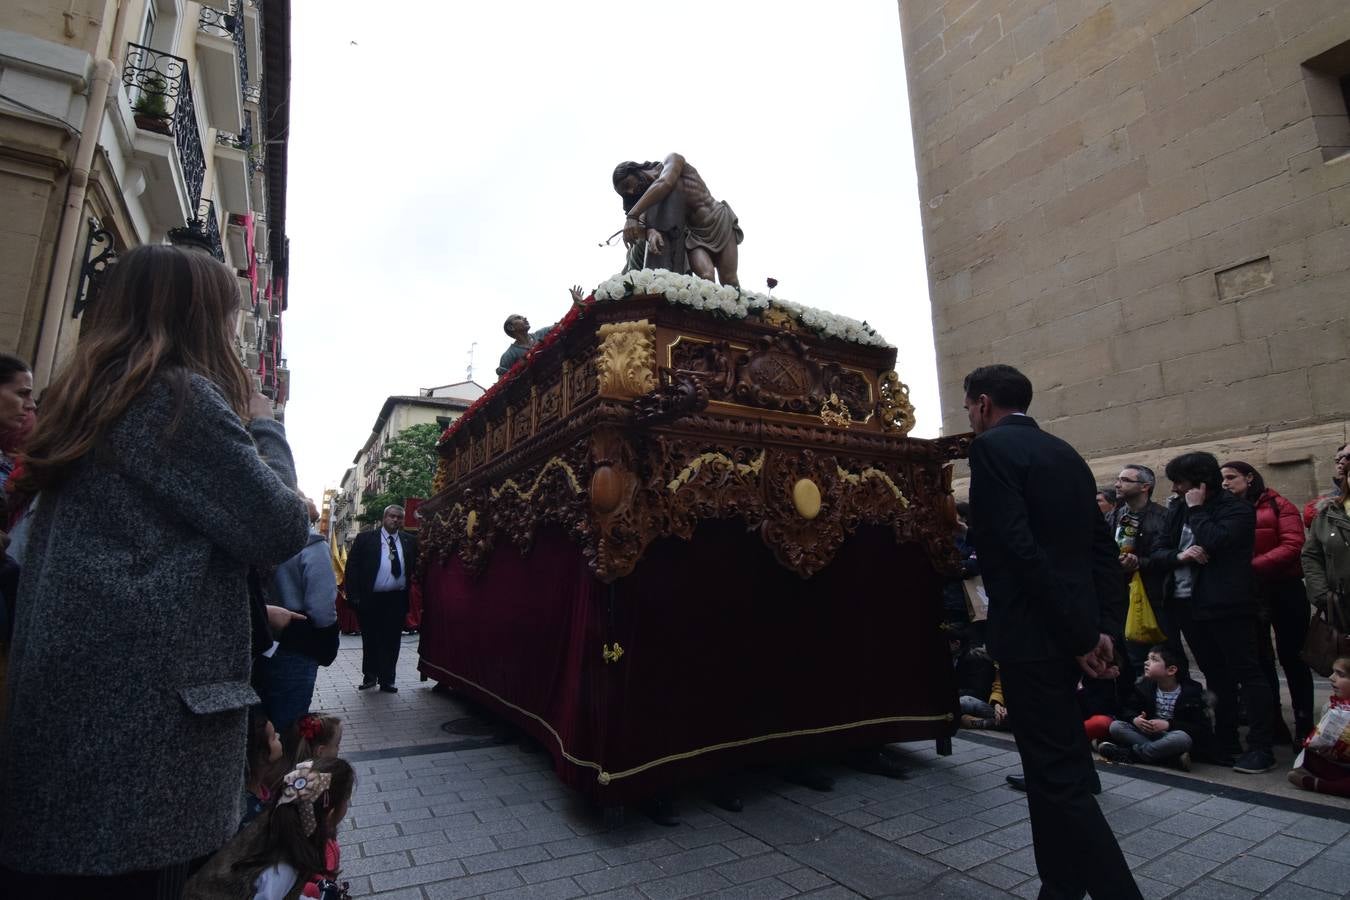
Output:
x,y
702,518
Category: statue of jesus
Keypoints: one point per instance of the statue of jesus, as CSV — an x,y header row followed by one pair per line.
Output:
x,y
670,209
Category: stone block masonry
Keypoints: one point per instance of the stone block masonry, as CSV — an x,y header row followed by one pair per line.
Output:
x,y
1145,206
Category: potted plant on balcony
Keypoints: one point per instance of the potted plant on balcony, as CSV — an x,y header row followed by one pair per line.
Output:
x,y
151,108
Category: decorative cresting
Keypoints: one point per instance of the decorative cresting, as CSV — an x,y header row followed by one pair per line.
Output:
x,y
778,372
626,361
894,408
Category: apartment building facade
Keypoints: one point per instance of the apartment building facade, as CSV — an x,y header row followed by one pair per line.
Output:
x,y
441,405
126,122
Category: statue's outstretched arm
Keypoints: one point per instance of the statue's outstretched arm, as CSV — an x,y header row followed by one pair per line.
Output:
x,y
671,170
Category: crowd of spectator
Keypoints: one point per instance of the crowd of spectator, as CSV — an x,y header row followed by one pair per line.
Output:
x,y
1232,573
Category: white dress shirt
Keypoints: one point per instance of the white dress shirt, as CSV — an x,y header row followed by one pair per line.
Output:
x,y
384,577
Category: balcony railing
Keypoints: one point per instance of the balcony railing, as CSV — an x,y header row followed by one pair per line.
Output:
x,y
253,93
206,214
203,230
161,96
228,25
241,141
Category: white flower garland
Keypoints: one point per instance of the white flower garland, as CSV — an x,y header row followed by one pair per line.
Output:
x,y
733,302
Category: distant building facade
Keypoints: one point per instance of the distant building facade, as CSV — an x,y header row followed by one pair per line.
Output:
x,y
441,405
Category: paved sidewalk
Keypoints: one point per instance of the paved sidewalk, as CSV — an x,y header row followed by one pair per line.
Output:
x,y
439,815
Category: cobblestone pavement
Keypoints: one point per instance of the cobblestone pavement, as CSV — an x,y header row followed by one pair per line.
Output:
x,y
439,815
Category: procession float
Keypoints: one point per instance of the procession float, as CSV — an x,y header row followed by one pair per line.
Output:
x,y
688,532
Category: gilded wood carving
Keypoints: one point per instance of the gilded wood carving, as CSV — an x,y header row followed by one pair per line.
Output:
x,y
626,361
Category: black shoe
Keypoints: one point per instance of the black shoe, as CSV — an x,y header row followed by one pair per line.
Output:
x,y
1254,762
388,689
366,685
661,811
814,779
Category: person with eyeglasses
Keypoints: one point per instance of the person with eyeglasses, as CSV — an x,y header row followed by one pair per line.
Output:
x,y
1340,463
379,575
1139,512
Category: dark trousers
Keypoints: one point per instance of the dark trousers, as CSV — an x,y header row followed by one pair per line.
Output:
x,y
381,614
1287,609
1075,849
1225,650
285,682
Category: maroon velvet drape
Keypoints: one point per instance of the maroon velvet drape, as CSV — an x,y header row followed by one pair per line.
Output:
x,y
722,646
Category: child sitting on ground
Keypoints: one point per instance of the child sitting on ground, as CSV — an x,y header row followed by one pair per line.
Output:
x,y
1165,720
313,736
292,843
264,751
979,689
1324,764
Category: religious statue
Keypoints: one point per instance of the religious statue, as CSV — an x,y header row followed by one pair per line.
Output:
x,y
674,223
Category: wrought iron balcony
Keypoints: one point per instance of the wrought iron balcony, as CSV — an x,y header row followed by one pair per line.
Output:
x,y
228,25
206,214
161,96
203,230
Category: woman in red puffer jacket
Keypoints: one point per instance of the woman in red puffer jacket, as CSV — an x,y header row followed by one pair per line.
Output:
x,y
1278,578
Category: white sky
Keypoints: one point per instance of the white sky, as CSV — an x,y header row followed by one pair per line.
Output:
x,y
453,166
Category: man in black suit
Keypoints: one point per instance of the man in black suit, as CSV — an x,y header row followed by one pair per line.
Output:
x,y
1055,597
379,572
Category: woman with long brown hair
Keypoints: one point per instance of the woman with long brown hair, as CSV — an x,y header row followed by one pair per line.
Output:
x,y
129,668
1282,603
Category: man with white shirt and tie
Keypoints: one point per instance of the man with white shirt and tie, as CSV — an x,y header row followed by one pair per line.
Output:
x,y
379,569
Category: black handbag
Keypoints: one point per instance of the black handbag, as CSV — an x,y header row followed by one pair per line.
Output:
x,y
319,644
1326,640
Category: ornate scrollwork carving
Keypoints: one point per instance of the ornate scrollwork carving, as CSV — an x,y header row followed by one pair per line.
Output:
x,y
778,372
897,413
626,361
679,394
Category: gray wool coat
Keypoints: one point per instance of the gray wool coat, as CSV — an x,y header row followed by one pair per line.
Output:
x,y
129,668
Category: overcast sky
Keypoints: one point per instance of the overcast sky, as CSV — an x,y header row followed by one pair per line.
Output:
x,y
450,164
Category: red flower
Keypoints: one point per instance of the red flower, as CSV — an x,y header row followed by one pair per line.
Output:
x,y
772,283
311,727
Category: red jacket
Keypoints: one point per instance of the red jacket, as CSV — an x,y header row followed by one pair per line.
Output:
x,y
1279,538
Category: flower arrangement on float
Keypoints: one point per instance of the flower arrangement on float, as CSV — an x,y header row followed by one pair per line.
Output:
x,y
685,290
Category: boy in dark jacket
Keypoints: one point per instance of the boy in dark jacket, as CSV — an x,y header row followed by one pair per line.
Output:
x,y
1165,719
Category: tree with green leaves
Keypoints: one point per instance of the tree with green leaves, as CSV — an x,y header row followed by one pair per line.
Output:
x,y
407,468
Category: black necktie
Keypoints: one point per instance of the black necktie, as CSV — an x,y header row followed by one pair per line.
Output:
x,y
395,566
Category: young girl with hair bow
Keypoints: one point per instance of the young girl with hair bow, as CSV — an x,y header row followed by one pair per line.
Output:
x,y
291,851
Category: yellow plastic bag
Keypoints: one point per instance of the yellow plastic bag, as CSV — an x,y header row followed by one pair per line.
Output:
x,y
1141,625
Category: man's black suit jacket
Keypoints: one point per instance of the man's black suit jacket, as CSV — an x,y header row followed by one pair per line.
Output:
x,y
1049,564
363,562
